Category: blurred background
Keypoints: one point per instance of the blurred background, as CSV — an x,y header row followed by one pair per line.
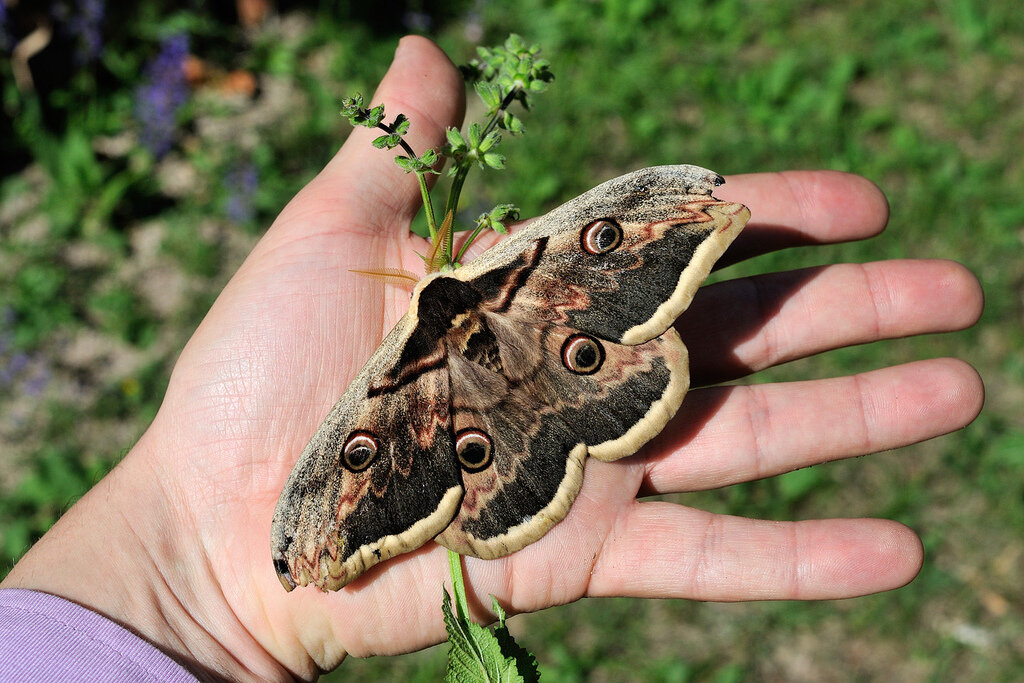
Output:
x,y
144,149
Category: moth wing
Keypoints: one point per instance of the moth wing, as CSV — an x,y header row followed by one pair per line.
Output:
x,y
537,291
543,419
334,521
671,232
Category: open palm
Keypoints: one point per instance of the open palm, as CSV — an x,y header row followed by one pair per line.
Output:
x,y
191,506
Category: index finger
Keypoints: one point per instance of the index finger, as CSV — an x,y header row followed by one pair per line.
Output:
x,y
795,208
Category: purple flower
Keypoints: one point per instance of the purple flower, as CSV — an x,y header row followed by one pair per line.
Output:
x,y
6,43
85,25
14,366
241,183
18,369
35,383
164,92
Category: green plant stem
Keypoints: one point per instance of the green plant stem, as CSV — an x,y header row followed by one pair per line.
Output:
x,y
428,206
465,245
452,204
401,141
497,112
458,586
459,180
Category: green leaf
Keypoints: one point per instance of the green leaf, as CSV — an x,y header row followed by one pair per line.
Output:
x,y
421,164
489,94
515,43
503,211
512,123
524,67
429,158
525,661
387,141
400,125
406,164
351,105
475,133
375,116
493,219
352,109
492,139
475,654
494,160
455,139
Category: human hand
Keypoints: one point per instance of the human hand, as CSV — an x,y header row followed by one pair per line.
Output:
x,y
175,542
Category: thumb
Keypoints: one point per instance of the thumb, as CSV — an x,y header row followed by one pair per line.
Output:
x,y
365,182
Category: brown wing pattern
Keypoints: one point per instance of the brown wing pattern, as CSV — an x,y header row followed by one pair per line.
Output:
x,y
473,420
343,512
540,419
670,233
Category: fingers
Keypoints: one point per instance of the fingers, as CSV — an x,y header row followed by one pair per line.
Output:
x,y
363,183
733,434
740,326
661,550
803,207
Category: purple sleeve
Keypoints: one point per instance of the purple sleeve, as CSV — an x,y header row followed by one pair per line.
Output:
x,y
46,638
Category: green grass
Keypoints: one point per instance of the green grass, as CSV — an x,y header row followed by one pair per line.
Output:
x,y
926,99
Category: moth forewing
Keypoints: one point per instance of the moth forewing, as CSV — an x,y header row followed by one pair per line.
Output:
x,y
343,510
727,220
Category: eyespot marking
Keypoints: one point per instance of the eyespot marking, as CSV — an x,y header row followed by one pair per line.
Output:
x,y
582,354
601,236
359,450
474,449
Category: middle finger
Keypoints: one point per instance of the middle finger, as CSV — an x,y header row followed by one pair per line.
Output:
x,y
737,327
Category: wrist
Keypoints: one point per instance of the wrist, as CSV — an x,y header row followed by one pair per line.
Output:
x,y
123,551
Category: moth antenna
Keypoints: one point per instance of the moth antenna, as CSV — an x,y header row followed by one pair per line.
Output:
x,y
436,258
394,276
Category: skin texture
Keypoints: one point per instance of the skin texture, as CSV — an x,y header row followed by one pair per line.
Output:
x,y
174,542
